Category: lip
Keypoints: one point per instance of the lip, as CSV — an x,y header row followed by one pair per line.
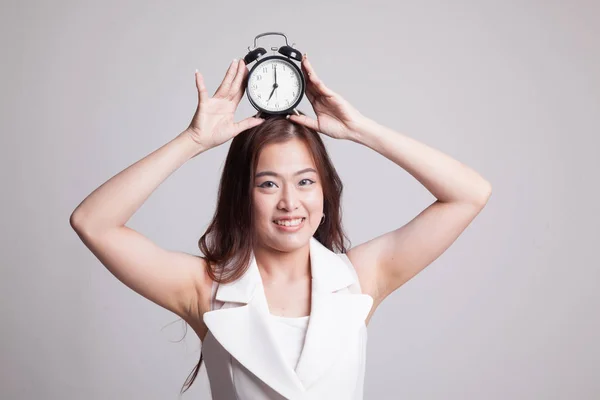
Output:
x,y
291,228
288,218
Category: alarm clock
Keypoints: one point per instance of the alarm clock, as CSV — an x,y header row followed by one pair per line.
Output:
x,y
275,84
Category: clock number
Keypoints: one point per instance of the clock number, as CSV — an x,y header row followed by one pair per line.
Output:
x,y
258,77
260,96
264,69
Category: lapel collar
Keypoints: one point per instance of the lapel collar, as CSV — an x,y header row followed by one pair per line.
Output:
x,y
334,313
245,333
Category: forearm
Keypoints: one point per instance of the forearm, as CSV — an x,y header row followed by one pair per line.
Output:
x,y
115,201
446,178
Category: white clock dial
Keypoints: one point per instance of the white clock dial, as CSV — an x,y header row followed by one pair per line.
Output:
x,y
274,85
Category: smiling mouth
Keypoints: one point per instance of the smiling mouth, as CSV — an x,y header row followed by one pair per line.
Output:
x,y
290,226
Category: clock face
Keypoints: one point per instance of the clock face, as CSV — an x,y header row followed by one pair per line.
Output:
x,y
275,85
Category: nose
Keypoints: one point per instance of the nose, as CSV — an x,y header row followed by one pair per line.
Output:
x,y
289,199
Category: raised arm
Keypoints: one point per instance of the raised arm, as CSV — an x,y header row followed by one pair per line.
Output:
x,y
388,261
173,280
167,278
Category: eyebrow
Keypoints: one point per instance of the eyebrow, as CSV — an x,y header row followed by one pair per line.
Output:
x,y
275,174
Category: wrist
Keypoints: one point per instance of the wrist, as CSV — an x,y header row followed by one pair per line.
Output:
x,y
192,147
362,129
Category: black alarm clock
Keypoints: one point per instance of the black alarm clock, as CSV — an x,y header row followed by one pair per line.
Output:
x,y
275,84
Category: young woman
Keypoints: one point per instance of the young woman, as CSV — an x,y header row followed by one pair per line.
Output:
x,y
279,304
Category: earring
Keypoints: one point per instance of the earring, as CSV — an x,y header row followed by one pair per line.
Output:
x,y
322,219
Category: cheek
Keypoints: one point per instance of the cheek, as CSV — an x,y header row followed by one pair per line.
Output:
x,y
314,200
259,214
263,208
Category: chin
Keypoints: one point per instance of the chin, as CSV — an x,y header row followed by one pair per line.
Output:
x,y
286,243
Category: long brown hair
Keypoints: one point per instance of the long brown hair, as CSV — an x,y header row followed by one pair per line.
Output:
x,y
228,241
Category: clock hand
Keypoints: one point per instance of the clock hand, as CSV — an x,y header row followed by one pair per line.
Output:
x,y
275,85
272,91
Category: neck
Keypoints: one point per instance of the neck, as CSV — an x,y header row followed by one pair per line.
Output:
x,y
282,266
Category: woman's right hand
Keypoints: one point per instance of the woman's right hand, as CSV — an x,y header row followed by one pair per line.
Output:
x,y
213,124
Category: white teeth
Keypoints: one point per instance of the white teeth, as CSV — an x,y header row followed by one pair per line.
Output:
x,y
292,222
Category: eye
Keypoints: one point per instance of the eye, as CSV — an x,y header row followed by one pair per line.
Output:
x,y
310,180
267,186
264,183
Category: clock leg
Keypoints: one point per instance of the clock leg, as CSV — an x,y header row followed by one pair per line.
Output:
x,y
295,111
257,115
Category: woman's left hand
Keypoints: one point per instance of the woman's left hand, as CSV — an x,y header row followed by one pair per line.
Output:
x,y
335,116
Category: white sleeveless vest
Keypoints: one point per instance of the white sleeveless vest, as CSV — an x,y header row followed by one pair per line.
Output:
x,y
242,357
289,335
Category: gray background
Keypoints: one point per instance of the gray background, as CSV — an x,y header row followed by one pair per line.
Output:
x,y
510,88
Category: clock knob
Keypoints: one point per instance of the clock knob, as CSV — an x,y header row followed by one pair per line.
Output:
x,y
254,54
290,52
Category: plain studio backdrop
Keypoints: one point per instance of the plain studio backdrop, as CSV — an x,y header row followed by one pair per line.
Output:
x,y
510,88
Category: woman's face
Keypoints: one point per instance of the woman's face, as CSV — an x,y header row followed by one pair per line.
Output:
x,y
286,185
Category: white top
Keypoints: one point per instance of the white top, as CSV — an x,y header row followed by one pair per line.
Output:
x,y
249,353
289,335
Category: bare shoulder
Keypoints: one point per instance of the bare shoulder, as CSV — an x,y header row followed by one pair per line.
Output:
x,y
200,304
203,284
362,260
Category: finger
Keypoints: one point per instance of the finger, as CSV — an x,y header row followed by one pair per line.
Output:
x,y
304,120
310,94
241,86
240,77
247,123
202,93
309,89
223,88
314,80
